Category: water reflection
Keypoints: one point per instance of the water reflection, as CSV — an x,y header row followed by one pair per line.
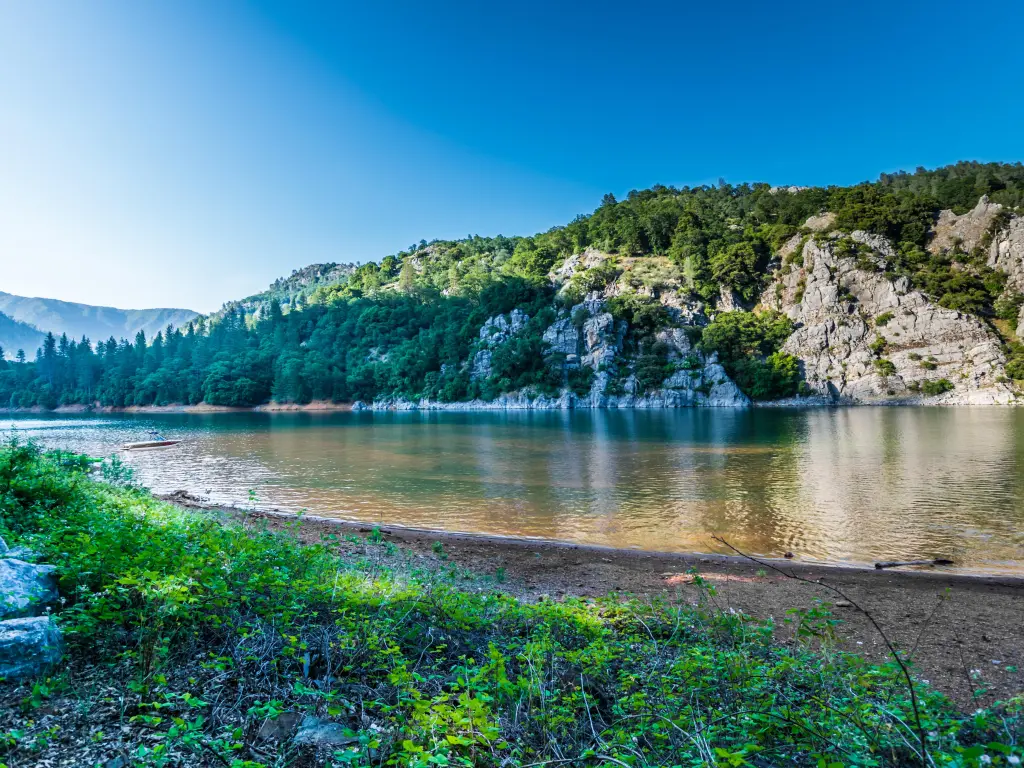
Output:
x,y
839,485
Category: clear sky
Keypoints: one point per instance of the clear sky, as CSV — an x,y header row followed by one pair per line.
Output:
x,y
188,152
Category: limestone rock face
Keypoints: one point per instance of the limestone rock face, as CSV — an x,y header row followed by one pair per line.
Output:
x,y
966,230
25,588
500,328
729,300
1006,253
578,262
602,340
562,337
495,332
969,230
28,647
821,222
863,337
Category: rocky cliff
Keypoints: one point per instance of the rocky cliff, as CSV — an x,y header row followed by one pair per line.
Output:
x,y
587,338
998,233
863,336
862,333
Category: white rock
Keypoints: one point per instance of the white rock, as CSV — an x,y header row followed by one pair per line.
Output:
x,y
821,222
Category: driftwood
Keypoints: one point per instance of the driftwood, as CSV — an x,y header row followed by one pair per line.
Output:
x,y
898,563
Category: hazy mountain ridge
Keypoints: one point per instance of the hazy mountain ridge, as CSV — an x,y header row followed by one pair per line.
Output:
x,y
15,335
76,320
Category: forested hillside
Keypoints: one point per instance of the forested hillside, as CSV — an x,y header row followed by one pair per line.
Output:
x,y
702,295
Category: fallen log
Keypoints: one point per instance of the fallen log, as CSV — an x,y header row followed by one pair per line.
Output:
x,y
898,563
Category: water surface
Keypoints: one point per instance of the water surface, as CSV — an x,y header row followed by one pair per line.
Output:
x,y
846,485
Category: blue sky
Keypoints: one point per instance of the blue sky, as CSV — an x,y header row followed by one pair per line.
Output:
x,y
186,153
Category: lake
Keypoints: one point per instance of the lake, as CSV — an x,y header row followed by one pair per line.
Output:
x,y
849,485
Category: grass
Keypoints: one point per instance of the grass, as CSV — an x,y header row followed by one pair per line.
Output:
x,y
187,636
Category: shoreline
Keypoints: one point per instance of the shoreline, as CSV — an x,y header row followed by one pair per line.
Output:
x,y
946,573
494,406
957,623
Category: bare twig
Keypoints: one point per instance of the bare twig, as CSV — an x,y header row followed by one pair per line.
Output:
x,y
922,736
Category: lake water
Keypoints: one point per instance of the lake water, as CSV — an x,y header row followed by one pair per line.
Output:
x,y
846,485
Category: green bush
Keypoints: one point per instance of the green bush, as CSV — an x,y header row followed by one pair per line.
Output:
x,y
747,345
885,367
938,387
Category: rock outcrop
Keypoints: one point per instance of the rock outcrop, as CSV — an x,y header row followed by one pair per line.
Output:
x,y
588,336
495,331
322,733
25,587
29,642
28,647
1006,252
966,231
862,336
988,226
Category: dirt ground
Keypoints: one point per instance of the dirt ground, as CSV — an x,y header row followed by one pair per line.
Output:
x,y
965,633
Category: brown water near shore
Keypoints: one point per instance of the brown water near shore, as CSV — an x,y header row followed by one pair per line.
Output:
x,y
842,487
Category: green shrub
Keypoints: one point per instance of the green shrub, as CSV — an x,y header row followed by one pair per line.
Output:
x,y
884,318
747,345
938,387
1007,306
885,367
644,314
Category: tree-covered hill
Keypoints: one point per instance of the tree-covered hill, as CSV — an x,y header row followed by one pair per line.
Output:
x,y
665,297
289,292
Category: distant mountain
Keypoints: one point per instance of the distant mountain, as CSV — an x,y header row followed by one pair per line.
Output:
x,y
15,335
77,320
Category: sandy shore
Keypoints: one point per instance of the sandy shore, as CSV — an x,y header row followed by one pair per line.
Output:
x,y
966,632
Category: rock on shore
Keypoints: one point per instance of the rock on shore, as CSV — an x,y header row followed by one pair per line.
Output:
x,y
29,641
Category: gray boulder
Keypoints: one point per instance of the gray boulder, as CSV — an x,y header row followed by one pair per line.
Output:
x,y
315,732
28,647
25,587
3,547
